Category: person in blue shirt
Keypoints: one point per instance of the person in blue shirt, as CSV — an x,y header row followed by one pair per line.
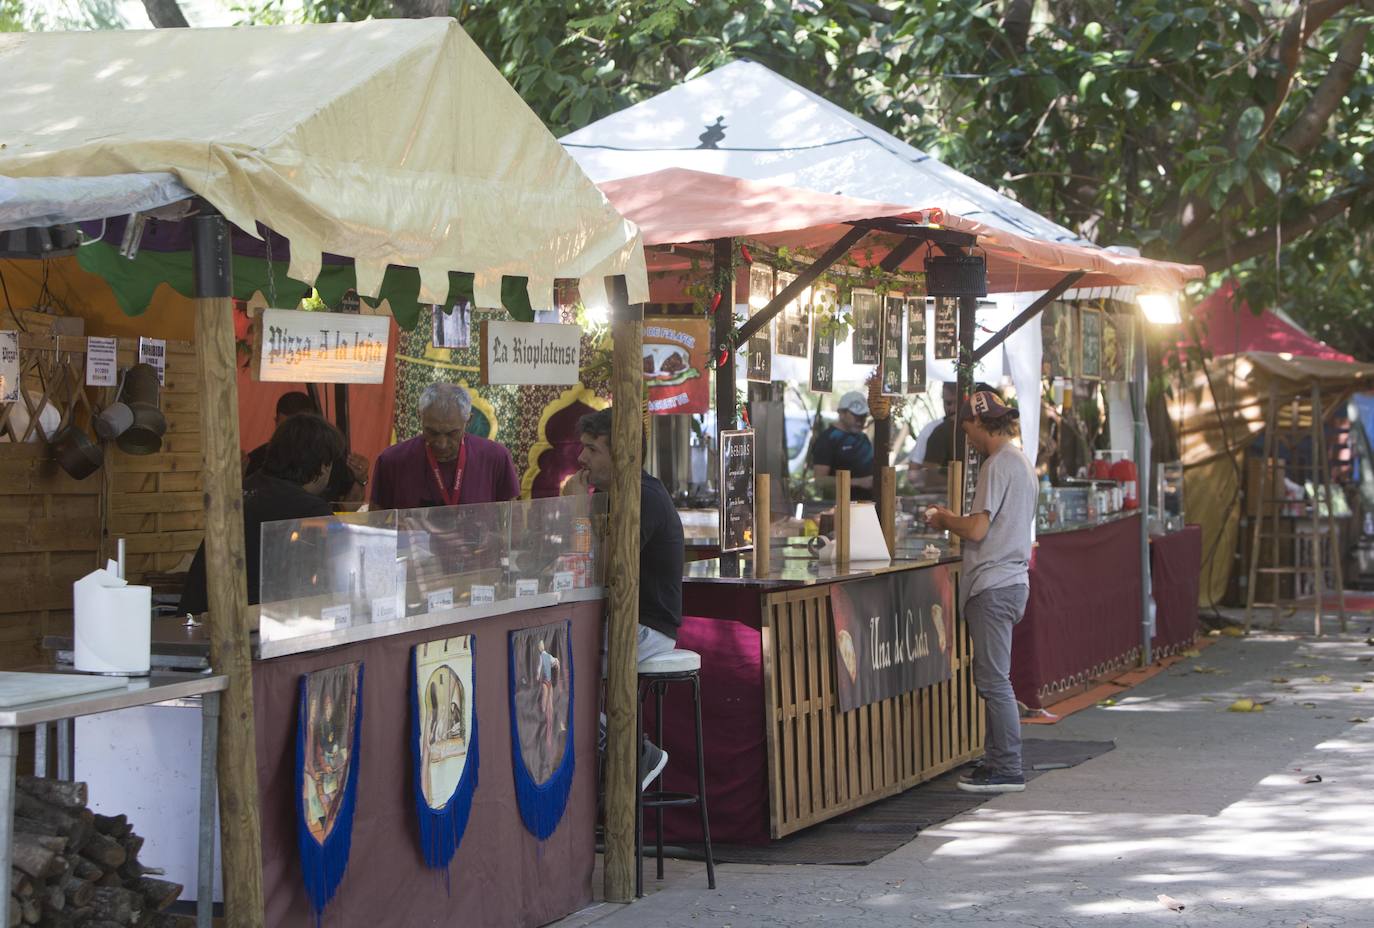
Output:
x,y
844,446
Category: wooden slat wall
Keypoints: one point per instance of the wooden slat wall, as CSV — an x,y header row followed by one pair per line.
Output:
x,y
823,762
155,501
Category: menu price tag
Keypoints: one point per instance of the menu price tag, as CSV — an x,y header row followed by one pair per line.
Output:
x,y
482,595
563,581
894,334
338,616
101,362
759,348
437,600
868,327
153,352
526,588
736,490
823,342
9,367
946,328
384,609
916,346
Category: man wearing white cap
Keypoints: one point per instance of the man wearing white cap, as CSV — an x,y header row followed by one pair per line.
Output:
x,y
844,446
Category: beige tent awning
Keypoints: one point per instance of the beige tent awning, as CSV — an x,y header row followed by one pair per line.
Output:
x,y
393,142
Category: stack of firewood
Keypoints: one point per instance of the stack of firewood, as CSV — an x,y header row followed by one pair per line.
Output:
x,y
71,867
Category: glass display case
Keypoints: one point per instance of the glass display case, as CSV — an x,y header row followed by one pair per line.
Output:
x,y
1170,495
337,579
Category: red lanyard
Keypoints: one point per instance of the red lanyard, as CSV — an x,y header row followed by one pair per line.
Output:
x,y
450,497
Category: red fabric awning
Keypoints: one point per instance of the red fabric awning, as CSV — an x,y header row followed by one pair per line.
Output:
x,y
678,206
1227,325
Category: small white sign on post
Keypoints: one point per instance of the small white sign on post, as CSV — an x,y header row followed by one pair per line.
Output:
x,y
102,363
153,352
9,367
294,346
482,595
338,616
531,353
526,587
438,600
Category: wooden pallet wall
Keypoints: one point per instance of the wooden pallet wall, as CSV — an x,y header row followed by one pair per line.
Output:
x,y
823,762
155,502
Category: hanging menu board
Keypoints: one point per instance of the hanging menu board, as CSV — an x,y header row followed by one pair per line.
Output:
x,y
794,322
916,345
894,337
1116,345
822,348
1090,343
946,328
736,490
1056,337
868,327
759,350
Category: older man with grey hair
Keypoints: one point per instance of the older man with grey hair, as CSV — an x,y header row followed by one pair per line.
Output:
x,y
443,465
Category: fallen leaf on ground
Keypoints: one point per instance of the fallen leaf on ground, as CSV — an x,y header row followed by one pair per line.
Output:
x,y
1169,902
1233,631
1309,705
1245,705
1314,778
1107,702
1322,678
1359,721
1214,634
1278,679
1191,652
1203,668
1364,660
1302,665
1357,689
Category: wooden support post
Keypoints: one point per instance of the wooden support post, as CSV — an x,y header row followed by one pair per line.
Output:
x,y
722,324
887,506
240,837
956,500
763,517
842,519
622,746
968,325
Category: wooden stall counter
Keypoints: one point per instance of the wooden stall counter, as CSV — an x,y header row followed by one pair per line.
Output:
x,y
781,751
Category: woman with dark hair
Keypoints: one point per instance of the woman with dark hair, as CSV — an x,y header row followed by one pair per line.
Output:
x,y
296,470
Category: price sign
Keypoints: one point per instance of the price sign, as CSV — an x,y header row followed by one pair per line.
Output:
x,y
759,348
563,581
153,352
384,609
526,588
438,600
822,352
916,345
338,616
868,327
736,490
894,334
9,367
946,328
101,362
483,595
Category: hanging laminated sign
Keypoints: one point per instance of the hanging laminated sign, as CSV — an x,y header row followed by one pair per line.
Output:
x,y
916,345
1056,336
894,335
794,322
823,310
946,328
676,352
1090,342
451,329
153,352
759,363
9,367
328,738
868,327
541,724
443,737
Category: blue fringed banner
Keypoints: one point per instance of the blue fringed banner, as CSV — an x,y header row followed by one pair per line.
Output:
x,y
328,738
443,737
541,724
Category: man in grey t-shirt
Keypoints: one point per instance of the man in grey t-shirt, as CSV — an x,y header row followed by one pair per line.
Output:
x,y
995,579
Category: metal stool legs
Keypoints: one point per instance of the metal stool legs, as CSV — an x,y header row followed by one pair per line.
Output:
x,y
658,800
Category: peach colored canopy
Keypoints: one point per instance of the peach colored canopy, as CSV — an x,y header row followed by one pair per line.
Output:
x,y
677,206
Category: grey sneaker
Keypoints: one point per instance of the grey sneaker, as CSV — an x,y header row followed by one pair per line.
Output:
x,y
652,760
983,780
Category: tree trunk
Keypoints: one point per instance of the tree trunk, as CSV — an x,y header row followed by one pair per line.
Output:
x,y
165,14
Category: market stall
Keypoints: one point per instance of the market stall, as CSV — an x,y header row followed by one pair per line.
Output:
x,y
524,216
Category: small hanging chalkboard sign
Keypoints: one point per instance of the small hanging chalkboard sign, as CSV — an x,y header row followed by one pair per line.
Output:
x,y
916,345
894,335
946,328
736,490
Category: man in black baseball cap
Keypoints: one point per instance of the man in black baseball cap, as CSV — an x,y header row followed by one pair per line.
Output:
x,y
995,580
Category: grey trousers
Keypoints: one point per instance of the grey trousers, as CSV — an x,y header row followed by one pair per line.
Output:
x,y
991,615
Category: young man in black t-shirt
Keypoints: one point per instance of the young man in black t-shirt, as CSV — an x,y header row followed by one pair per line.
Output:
x,y
661,556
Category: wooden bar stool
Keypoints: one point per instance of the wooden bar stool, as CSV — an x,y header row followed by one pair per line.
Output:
x,y
655,675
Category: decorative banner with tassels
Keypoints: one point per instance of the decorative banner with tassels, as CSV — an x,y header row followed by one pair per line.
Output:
x,y
443,737
541,724
328,739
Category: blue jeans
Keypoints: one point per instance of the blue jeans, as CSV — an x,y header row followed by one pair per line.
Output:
x,y
991,615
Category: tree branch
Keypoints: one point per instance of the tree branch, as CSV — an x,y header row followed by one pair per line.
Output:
x,y
1296,31
1016,23
1263,241
1306,131
165,14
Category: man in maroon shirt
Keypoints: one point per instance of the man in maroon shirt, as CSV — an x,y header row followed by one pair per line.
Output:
x,y
443,465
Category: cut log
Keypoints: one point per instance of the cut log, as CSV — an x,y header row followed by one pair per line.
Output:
x,y
75,826
79,892
157,893
67,918
116,826
84,869
110,880
117,905
36,860
105,851
65,793
20,884
53,898
132,844
30,910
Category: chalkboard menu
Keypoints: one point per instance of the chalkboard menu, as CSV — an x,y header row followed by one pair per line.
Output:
x,y
916,345
894,337
759,350
1056,338
946,328
868,327
794,322
736,490
822,346
1090,343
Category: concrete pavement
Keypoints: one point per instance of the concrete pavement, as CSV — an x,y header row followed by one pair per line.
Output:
x,y
1198,803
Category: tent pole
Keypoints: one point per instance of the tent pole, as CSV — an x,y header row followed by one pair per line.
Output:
x,y
723,278
627,440
240,838
1139,393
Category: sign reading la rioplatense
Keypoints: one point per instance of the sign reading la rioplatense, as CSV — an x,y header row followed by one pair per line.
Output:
x,y
305,347
539,353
